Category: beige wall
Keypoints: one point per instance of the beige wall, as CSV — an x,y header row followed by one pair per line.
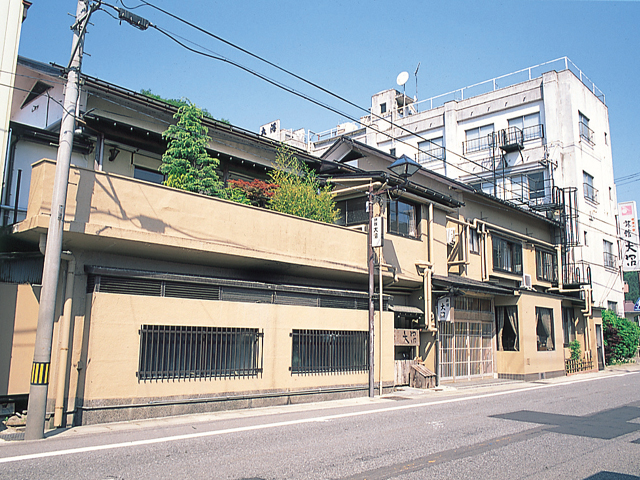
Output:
x,y
114,342
18,321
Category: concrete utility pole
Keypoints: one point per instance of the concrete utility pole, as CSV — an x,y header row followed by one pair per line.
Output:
x,y
44,333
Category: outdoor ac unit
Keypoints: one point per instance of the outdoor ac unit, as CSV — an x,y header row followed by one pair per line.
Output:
x,y
526,282
451,236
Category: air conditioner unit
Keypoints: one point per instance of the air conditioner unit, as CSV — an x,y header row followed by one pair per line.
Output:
x,y
451,236
526,282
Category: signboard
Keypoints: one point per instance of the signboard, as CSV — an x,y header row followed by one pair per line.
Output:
x,y
629,231
636,307
444,309
376,232
407,337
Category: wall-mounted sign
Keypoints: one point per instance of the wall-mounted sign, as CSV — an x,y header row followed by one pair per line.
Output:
x,y
629,231
444,309
377,237
407,337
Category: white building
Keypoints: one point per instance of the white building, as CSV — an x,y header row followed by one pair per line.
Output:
x,y
542,142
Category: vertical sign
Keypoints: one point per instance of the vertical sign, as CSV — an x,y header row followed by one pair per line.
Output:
x,y
629,231
444,309
376,232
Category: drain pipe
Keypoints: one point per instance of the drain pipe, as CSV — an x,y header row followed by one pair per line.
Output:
x,y
65,329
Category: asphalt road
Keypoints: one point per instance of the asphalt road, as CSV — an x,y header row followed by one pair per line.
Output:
x,y
580,427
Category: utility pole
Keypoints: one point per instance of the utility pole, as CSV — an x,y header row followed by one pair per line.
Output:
x,y
44,333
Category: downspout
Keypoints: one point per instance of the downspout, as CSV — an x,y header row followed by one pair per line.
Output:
x,y
65,329
381,303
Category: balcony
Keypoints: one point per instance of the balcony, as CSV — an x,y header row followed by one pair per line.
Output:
x,y
122,215
511,139
478,144
575,274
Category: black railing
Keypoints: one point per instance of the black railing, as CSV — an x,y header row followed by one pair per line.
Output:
x,y
586,132
511,139
478,144
533,132
576,273
190,352
329,351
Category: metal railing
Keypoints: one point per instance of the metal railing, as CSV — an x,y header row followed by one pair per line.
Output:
x,y
478,144
533,132
189,352
576,273
590,193
610,260
329,351
586,132
435,153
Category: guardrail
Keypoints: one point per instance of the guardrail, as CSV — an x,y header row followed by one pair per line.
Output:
x,y
575,366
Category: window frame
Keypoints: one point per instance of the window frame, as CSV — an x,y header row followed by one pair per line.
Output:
x,y
609,258
568,326
393,225
479,138
311,354
474,241
503,334
514,251
545,270
544,346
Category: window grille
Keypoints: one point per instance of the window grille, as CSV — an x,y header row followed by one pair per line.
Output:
x,y
169,352
329,351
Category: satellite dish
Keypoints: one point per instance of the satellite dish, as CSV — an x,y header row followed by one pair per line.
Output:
x,y
402,78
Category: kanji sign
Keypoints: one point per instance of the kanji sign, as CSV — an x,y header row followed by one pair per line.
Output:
x,y
405,336
444,309
629,232
376,232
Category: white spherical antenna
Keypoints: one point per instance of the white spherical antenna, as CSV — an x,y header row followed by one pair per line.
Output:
x,y
402,78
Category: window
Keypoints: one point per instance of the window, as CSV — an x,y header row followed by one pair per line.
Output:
x,y
403,219
329,351
590,193
609,257
148,175
606,138
568,325
507,328
544,329
175,352
507,256
353,212
479,138
473,304
586,243
431,150
613,306
383,108
536,185
546,266
585,131
474,241
529,125
392,151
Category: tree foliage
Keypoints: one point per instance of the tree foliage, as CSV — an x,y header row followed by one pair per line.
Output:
x,y
258,192
186,163
299,191
620,337
576,350
179,103
634,289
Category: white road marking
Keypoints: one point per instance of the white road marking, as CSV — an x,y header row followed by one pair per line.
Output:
x,y
325,418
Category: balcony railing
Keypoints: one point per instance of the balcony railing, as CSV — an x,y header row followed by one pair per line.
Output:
x,y
511,139
576,273
436,153
586,132
610,260
590,193
478,144
533,132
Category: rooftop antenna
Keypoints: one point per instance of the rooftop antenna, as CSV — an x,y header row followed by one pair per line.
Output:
x,y
416,75
401,80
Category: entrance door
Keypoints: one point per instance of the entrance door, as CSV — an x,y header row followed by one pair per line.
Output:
x,y
466,350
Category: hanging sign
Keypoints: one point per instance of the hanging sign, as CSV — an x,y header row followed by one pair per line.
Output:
x,y
444,309
629,231
376,232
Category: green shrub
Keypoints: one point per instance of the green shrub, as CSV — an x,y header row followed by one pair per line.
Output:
x,y
620,337
576,351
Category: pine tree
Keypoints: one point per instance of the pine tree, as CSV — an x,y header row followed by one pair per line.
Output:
x,y
186,162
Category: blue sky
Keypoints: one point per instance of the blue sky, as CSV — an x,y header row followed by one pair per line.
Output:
x,y
355,49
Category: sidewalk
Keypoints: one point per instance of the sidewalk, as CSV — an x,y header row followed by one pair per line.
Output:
x,y
402,393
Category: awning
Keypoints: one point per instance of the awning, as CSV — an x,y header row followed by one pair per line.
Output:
x,y
469,285
406,309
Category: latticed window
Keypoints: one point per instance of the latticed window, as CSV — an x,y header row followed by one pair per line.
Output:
x,y
329,351
507,256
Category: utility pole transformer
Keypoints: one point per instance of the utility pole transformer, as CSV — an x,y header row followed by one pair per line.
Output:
x,y
44,333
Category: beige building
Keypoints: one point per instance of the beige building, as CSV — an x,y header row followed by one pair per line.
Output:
x,y
172,302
